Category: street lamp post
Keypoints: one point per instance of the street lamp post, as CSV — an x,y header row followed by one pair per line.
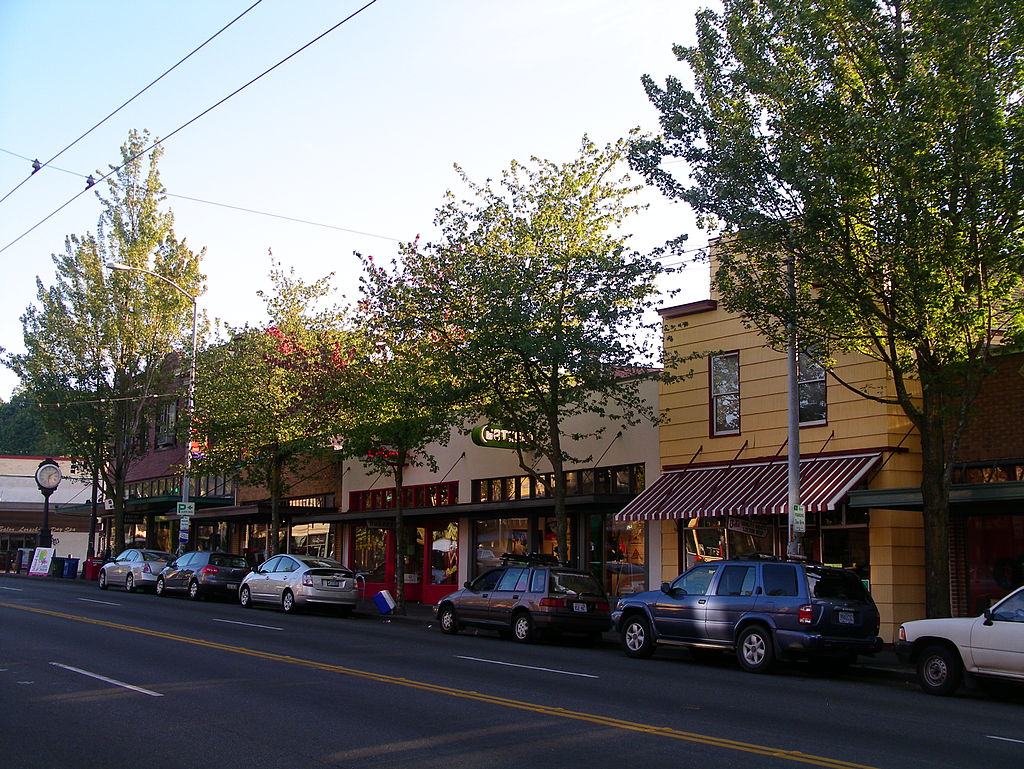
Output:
x,y
185,490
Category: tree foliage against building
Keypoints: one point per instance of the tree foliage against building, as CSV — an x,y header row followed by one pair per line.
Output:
x,y
98,342
877,147
263,404
23,432
533,296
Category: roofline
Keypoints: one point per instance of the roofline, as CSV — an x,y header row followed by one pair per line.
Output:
x,y
692,308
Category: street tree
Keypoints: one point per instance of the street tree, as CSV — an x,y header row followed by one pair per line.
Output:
x,y
103,349
539,303
261,395
23,431
873,148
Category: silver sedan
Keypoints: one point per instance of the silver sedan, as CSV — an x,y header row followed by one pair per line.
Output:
x,y
134,568
296,581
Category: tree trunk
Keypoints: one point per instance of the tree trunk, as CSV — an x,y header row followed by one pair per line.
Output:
x,y
400,543
935,514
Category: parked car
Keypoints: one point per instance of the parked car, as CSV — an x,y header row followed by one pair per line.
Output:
x,y
762,608
134,568
526,596
201,573
296,581
990,646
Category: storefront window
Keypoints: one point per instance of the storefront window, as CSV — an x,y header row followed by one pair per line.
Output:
x,y
618,554
712,539
369,552
414,556
995,558
549,539
496,537
444,554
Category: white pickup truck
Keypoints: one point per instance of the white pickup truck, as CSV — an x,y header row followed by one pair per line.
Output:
x,y
989,646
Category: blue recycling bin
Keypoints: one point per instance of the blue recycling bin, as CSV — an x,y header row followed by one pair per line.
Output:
x,y
70,568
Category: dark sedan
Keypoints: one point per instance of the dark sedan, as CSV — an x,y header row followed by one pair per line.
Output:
x,y
200,574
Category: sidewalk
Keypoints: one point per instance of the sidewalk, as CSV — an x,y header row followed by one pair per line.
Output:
x,y
883,664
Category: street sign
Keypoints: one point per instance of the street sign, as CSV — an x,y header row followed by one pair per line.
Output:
x,y
799,519
186,508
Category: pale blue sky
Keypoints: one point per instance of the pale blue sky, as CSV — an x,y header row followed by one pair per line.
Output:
x,y
359,131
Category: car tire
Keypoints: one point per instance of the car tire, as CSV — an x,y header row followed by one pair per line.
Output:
x,y
129,583
522,627
245,597
754,649
637,640
161,588
193,591
447,620
939,670
103,580
288,604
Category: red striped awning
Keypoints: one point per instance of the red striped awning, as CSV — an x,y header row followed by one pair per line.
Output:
x,y
755,488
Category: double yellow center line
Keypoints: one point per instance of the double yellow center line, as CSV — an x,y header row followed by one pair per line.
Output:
x,y
505,702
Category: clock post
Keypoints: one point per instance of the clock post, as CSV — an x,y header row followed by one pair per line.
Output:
x,y
48,477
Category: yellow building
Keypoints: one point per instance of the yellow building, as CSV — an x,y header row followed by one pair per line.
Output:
x,y
723,488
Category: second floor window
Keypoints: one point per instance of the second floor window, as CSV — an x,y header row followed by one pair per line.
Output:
x,y
725,394
810,376
166,421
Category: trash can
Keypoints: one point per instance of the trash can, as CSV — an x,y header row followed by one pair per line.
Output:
x,y
92,568
56,566
70,568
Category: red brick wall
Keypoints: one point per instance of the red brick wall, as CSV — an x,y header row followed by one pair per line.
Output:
x,y
995,426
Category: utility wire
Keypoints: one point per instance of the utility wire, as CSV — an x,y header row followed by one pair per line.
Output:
x,y
235,208
186,125
36,165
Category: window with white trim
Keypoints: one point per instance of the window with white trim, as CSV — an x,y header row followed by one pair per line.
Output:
x,y
725,394
810,375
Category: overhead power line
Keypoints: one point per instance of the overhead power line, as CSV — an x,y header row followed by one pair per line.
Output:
x,y
236,208
92,182
36,165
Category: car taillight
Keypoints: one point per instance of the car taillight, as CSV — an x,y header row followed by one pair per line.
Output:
x,y
146,569
307,580
209,570
806,614
553,602
602,606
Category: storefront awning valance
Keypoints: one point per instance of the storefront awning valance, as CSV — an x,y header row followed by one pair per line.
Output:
x,y
754,488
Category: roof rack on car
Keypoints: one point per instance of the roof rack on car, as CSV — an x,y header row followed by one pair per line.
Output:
x,y
758,557
529,559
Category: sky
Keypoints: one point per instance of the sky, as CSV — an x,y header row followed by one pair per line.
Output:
x,y
356,136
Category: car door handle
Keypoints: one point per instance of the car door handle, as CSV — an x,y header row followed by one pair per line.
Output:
x,y
515,598
702,600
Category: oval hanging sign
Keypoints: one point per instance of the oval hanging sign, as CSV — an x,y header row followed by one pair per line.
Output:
x,y
496,437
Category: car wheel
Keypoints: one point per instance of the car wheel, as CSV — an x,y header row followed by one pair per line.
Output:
x,y
129,583
522,627
193,591
103,581
637,640
447,620
161,588
245,597
288,602
754,649
939,670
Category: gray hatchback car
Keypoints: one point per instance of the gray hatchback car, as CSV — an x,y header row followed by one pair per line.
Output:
x,y
201,573
762,608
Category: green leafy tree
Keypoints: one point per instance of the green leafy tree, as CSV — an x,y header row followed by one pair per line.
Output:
x,y
261,395
875,148
99,346
23,431
541,306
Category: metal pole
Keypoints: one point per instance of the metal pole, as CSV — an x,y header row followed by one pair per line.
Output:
x,y
185,490
793,415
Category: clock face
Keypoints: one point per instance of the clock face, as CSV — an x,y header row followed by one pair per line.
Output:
x,y
48,476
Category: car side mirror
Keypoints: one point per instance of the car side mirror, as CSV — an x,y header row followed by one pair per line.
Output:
x,y
667,589
988,616
172,565
468,585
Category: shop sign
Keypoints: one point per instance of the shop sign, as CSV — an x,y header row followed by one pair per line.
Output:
x,y
747,526
134,518
497,437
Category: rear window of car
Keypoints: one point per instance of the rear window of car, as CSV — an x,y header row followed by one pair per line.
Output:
x,y
151,555
229,561
321,563
836,585
578,584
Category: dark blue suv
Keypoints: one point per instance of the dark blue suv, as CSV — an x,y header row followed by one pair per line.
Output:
x,y
763,608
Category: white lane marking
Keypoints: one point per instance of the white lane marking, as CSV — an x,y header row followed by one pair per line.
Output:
x,y
98,677
527,667
105,603
248,624
15,589
1004,739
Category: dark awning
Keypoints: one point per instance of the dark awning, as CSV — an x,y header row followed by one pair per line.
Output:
x,y
753,488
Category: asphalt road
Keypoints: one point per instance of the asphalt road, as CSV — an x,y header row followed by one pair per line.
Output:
x,y
108,679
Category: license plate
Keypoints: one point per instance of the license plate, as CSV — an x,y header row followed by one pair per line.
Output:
x,y
232,586
580,607
331,582
846,618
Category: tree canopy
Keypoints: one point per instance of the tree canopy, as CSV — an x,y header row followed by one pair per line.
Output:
x,y
877,147
97,343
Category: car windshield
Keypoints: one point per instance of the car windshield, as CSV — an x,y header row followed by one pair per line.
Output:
x,y
575,584
152,555
228,561
837,585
